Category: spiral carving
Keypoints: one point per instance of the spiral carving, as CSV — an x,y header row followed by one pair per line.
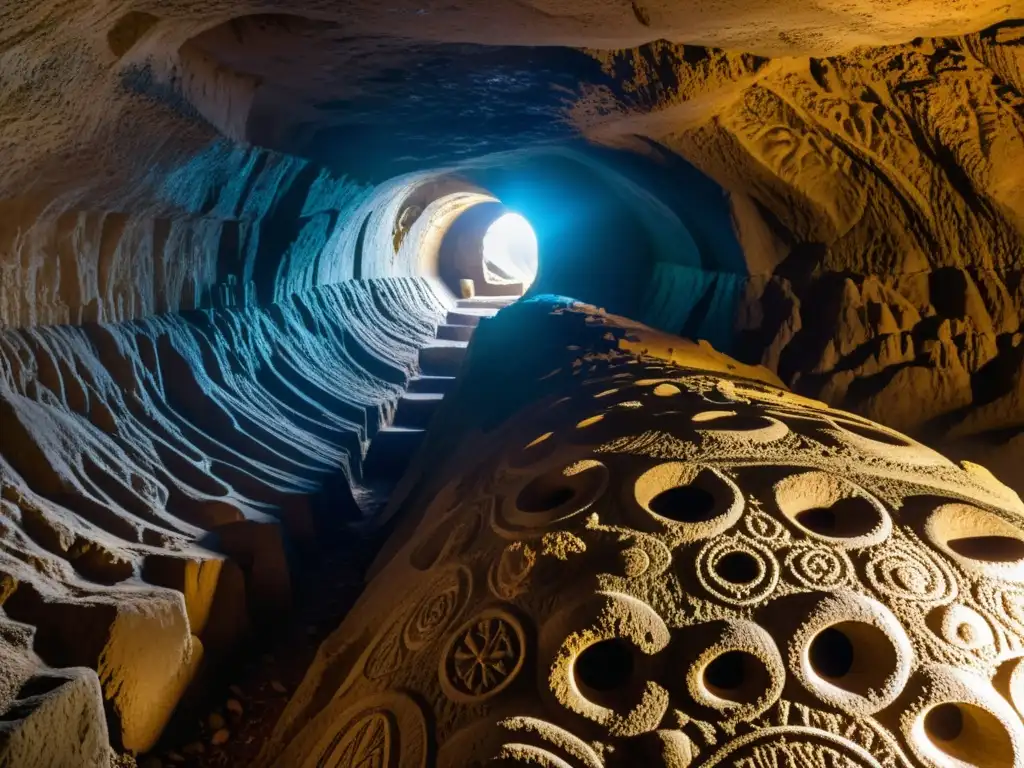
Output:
x,y
901,571
816,567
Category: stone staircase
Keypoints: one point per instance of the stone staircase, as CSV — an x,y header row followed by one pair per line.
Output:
x,y
394,446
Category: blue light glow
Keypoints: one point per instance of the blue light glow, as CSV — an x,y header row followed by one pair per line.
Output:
x,y
510,250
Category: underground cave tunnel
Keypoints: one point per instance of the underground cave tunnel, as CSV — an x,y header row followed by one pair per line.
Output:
x,y
312,455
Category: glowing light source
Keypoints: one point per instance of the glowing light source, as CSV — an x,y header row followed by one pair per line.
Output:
x,y
510,251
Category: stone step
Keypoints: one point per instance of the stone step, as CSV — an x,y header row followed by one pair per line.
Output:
x,y
416,409
468,316
442,358
455,332
391,451
487,302
439,384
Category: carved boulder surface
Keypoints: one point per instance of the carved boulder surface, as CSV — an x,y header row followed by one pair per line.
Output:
x,y
653,564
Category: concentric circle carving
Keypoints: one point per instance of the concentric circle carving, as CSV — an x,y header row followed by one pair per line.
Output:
x,y
764,527
961,626
482,657
438,609
737,570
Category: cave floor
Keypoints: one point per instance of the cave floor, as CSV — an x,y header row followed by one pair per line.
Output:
x,y
267,670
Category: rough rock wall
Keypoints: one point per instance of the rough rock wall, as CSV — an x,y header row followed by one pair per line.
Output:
x,y
227,226
156,474
880,199
655,561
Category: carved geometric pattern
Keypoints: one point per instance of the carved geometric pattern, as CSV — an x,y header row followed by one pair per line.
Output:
x,y
483,657
364,744
732,546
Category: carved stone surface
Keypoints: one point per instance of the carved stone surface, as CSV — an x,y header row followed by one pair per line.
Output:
x,y
677,567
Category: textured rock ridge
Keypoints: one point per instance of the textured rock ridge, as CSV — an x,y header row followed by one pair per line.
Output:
x,y
157,475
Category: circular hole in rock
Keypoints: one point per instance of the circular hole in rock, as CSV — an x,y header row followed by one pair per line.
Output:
x,y
741,423
738,567
725,673
944,722
736,676
846,519
820,520
980,539
684,504
831,653
855,656
968,734
605,666
989,549
542,495
538,441
872,434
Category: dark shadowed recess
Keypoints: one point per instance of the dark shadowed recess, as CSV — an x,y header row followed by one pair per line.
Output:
x,y
376,107
446,104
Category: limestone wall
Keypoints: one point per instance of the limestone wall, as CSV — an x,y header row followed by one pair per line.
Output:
x,y
158,475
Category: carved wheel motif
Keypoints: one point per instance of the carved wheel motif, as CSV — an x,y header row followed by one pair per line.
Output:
x,y
483,657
